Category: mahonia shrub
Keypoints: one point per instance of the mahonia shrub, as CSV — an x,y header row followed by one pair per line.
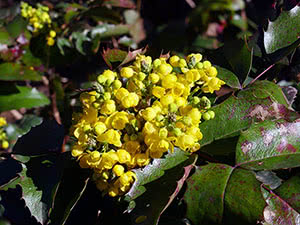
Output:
x,y
37,19
139,114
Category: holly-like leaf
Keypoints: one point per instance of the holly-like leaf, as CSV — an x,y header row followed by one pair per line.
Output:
x,y
237,113
205,193
32,197
154,171
278,211
289,192
61,42
16,97
230,78
282,32
219,193
79,39
244,203
269,145
16,27
16,71
113,55
132,54
160,193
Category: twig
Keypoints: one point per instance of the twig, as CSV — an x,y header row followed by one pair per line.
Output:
x,y
261,74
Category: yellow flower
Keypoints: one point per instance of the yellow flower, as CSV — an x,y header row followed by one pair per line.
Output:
x,y
127,72
124,156
108,107
130,100
2,121
118,170
158,91
111,136
119,120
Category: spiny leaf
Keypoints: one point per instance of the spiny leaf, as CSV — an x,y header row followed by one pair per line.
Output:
x,y
230,78
154,171
113,55
270,145
32,197
160,193
237,113
283,31
205,193
218,193
289,192
278,211
16,97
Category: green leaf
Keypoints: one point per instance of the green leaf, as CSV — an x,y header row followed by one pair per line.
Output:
x,y
79,39
160,193
205,193
5,38
61,42
154,171
109,30
32,197
16,27
113,55
103,14
219,193
230,78
283,31
16,97
30,60
278,211
269,145
15,71
239,57
244,203
289,192
236,113
70,189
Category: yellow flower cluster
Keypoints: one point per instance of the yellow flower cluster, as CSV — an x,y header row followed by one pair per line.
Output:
x,y
37,18
3,137
139,114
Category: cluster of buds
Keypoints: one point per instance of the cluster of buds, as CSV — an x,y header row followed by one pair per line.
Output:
x,y
37,18
141,113
3,137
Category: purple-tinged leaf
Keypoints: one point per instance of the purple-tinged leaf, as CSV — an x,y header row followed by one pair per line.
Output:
x,y
277,211
289,191
244,203
238,112
205,193
283,32
270,145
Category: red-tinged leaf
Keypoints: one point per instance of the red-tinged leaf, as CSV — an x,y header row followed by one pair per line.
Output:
x,y
113,55
278,212
131,55
187,170
120,3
